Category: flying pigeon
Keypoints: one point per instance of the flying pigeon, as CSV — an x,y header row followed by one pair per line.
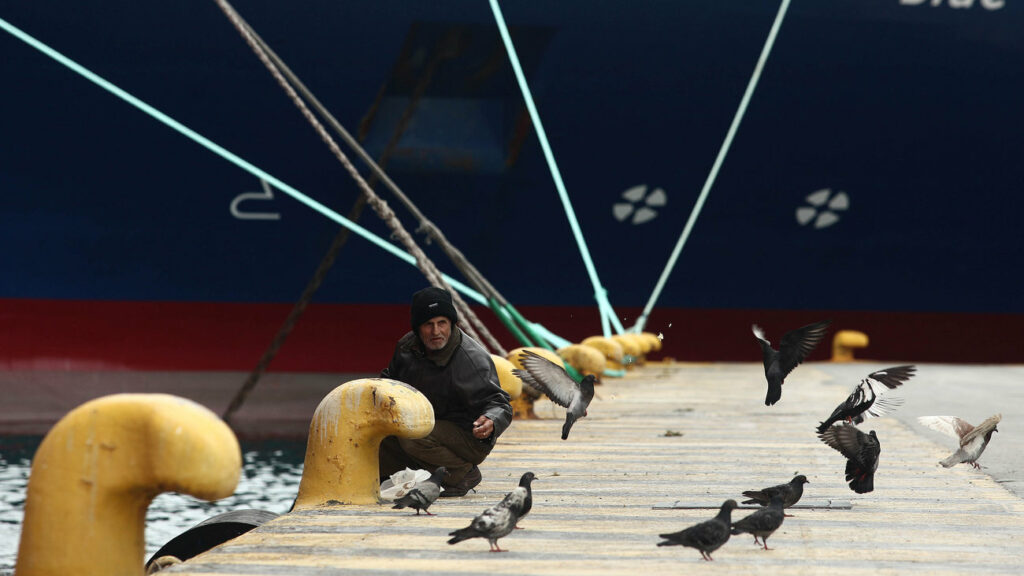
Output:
x,y
522,505
868,398
790,492
861,451
706,536
763,522
553,380
794,348
423,494
973,439
495,522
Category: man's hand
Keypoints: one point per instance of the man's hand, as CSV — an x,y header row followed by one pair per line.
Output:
x,y
483,427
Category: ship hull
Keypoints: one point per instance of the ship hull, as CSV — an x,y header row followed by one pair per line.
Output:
x,y
873,178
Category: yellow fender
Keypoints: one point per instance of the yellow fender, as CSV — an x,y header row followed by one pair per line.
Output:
x,y
99,468
342,453
510,383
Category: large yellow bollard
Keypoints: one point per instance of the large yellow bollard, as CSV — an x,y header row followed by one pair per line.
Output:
x,y
99,468
509,382
342,452
844,342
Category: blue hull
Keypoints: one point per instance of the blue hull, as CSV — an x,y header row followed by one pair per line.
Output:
x,y
877,167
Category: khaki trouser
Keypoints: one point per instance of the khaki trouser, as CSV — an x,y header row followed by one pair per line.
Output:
x,y
447,445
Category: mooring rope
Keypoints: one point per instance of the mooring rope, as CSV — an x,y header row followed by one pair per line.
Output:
x,y
709,182
379,206
600,293
433,233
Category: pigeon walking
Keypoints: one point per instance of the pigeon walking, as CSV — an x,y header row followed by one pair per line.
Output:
x,y
868,398
522,505
973,439
762,523
861,451
707,536
794,348
423,494
790,492
495,522
553,380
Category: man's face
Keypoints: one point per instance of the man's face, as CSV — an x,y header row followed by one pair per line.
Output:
x,y
434,333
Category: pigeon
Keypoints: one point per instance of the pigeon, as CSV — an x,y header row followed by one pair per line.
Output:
x,y
522,508
868,398
495,522
790,492
973,439
794,348
762,522
423,494
861,451
553,380
706,536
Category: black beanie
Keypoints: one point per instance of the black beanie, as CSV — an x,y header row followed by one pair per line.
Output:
x,y
431,302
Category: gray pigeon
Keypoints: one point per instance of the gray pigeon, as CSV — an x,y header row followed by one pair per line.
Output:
x,y
553,380
868,398
707,536
495,522
423,494
794,348
790,492
522,507
762,523
973,439
861,451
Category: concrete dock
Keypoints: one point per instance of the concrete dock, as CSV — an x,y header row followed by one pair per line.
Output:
x,y
661,450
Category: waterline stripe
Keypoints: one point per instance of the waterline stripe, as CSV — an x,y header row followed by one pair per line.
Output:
x,y
751,85
224,153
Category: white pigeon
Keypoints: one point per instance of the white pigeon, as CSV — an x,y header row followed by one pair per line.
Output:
x,y
496,522
973,439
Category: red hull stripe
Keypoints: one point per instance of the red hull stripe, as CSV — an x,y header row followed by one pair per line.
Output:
x,y
103,335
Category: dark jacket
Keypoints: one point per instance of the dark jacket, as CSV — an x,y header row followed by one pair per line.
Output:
x,y
460,381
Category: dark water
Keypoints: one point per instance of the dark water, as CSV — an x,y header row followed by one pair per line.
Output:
x,y
270,479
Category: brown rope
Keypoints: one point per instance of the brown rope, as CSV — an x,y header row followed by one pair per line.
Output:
x,y
383,211
296,312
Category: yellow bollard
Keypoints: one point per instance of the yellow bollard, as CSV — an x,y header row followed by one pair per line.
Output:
x,y
585,359
510,383
611,349
522,407
99,468
844,342
342,452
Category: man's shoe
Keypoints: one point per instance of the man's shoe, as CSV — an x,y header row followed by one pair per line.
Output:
x,y
469,482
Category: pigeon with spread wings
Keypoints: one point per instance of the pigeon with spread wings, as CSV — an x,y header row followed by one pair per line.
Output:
x,y
861,451
554,381
973,439
868,399
793,349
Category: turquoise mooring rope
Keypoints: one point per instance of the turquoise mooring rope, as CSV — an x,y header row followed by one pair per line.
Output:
x,y
600,294
751,85
224,153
